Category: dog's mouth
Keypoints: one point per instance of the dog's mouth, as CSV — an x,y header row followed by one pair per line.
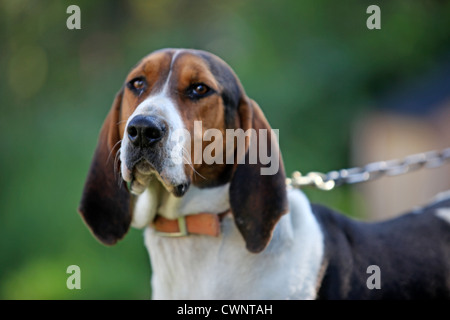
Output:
x,y
138,175
143,172
143,167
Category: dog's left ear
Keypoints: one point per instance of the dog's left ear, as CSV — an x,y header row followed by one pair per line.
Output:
x,y
258,197
105,203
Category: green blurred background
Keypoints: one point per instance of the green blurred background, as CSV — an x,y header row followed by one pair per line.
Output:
x,y
313,66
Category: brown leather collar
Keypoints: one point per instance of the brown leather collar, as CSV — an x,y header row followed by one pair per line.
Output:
x,y
201,223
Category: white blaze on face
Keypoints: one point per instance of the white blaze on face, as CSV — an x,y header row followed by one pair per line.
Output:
x,y
162,107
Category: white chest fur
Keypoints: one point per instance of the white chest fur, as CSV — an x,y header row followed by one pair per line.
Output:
x,y
203,267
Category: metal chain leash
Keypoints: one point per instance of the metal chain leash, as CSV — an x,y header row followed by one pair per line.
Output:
x,y
374,170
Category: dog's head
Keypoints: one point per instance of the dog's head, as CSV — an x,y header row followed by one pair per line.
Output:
x,y
170,121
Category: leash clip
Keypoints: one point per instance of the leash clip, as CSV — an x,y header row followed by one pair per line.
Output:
x,y
371,171
316,179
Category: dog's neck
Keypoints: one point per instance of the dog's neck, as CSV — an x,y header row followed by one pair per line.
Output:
x,y
156,200
212,200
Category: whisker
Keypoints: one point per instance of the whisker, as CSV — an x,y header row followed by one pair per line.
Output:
x,y
187,159
117,169
112,149
125,119
116,161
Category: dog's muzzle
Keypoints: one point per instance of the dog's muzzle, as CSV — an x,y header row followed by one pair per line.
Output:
x,y
147,153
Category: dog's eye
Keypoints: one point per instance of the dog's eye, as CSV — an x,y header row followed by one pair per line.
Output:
x,y
198,90
137,85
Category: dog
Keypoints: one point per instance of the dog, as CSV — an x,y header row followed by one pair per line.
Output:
x,y
224,230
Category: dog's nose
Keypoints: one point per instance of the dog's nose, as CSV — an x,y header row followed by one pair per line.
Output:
x,y
145,131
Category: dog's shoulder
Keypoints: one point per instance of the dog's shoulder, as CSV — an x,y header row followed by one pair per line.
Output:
x,y
335,223
397,246
436,211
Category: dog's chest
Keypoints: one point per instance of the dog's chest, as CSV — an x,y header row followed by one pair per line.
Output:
x,y
203,267
198,267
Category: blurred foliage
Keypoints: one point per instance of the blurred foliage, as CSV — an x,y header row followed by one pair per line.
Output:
x,y
313,66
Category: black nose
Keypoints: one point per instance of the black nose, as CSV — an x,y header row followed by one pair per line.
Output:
x,y
145,131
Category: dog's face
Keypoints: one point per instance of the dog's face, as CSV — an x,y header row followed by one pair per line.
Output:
x,y
164,96
159,127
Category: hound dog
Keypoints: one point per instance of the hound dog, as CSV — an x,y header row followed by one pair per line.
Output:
x,y
224,230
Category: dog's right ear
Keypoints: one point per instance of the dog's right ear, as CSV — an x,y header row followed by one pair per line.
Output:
x,y
105,204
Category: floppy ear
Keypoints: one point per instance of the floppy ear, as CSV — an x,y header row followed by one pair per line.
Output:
x,y
105,202
257,200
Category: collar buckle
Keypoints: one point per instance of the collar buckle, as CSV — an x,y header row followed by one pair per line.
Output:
x,y
182,227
